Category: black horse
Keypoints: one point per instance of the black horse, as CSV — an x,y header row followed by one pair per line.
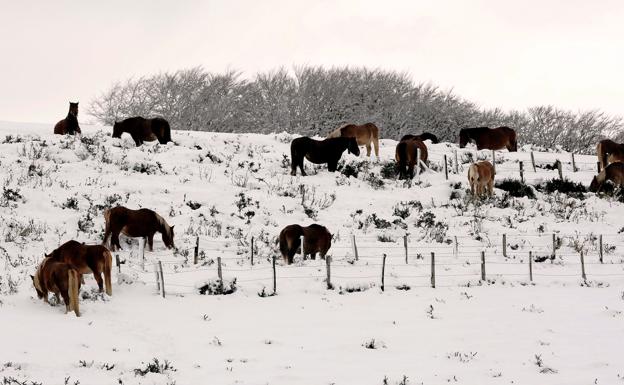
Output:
x,y
320,151
144,130
422,137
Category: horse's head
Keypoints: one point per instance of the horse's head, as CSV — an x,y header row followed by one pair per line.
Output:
x,y
37,285
463,138
73,108
594,185
353,147
167,237
117,130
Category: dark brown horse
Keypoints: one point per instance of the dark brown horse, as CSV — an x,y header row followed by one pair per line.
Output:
x,y
609,151
69,125
365,134
144,130
406,155
489,138
424,136
316,239
59,278
320,151
136,223
87,259
614,172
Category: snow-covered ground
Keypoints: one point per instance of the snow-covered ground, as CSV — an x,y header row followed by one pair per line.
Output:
x,y
226,188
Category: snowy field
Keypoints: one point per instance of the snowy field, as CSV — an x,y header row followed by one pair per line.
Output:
x,y
224,189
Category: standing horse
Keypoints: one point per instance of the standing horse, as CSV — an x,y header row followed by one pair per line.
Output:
x,y
69,125
424,136
489,138
58,278
136,223
609,151
87,259
614,172
481,178
364,134
406,155
144,130
316,239
320,151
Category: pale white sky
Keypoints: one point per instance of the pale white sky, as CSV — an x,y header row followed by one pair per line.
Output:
x,y
510,54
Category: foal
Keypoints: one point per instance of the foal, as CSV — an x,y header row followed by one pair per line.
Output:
x,y
58,278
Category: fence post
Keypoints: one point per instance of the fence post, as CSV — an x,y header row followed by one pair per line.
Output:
x,y
483,265
456,248
355,250
405,244
220,273
162,278
598,167
521,171
328,262
574,169
533,161
494,160
418,162
560,169
583,267
157,277
252,250
505,245
303,256
196,251
118,263
433,269
445,167
456,162
274,277
554,246
383,272
142,252
531,266
600,247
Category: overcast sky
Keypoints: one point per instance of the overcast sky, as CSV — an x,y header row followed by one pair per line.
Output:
x,y
509,54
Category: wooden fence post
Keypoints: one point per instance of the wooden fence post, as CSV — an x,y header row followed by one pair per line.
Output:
x,y
303,256
433,269
196,251
456,162
533,162
418,162
554,245
494,160
521,171
483,265
574,169
600,247
118,263
251,251
560,169
383,272
142,252
274,277
531,266
328,263
220,273
583,267
445,167
157,275
456,248
162,278
354,245
598,167
505,245
405,244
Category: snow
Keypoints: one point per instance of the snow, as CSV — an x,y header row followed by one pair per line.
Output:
x,y
558,329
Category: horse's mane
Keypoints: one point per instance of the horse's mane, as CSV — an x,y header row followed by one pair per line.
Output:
x,y
163,224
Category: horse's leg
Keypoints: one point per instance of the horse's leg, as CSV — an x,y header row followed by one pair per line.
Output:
x,y
115,240
410,171
97,274
332,165
303,173
150,242
368,149
65,295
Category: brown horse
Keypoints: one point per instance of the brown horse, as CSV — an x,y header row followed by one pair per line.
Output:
x,y
481,178
614,172
489,138
316,239
609,151
136,223
87,259
58,278
144,130
69,125
320,151
406,155
365,134
424,136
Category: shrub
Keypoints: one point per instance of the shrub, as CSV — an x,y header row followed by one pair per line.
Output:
x,y
374,181
154,367
389,170
565,186
215,287
516,188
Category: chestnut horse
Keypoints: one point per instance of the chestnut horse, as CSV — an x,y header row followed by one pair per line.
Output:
x,y
481,177
406,155
613,172
58,278
136,223
320,151
144,130
424,136
489,138
316,239
87,259
365,134
609,151
69,125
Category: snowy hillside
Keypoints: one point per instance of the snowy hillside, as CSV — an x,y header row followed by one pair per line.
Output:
x,y
227,189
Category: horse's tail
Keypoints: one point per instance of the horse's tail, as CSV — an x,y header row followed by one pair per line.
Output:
x,y
513,143
375,138
108,267
107,226
602,155
401,155
166,131
73,283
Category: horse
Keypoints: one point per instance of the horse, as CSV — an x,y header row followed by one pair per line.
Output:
x,y
144,130
406,155
489,138
614,172
481,177
609,151
320,151
316,239
69,125
364,134
422,137
87,259
58,278
136,223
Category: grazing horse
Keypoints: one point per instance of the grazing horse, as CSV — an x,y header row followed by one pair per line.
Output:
x,y
364,134
144,130
481,177
320,151
609,151
489,138
69,125
406,155
613,172
424,136
58,278
136,223
316,239
87,259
